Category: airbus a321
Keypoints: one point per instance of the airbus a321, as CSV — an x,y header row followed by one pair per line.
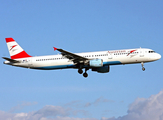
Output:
x,y
96,61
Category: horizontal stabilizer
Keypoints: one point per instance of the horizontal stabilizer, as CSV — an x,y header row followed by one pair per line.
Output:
x,y
11,60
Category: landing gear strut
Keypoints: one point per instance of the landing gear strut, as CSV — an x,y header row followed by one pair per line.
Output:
x,y
142,64
80,71
85,74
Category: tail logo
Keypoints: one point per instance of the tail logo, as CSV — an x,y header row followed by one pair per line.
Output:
x,y
13,47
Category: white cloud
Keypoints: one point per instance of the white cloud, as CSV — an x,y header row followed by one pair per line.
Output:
x,y
76,103
21,115
6,116
141,109
98,101
79,104
102,100
144,109
68,118
48,112
87,104
83,112
21,106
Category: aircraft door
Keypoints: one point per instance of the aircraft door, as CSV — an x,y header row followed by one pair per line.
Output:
x,y
141,52
30,63
110,56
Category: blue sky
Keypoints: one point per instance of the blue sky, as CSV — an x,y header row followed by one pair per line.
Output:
x,y
80,26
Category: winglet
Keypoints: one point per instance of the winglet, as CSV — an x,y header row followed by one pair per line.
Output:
x,y
55,48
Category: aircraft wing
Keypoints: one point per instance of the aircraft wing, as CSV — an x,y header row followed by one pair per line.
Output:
x,y
74,57
11,60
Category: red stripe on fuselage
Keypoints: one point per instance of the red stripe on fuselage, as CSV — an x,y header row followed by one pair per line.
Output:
x,y
22,54
9,40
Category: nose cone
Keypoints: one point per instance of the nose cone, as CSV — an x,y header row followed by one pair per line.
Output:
x,y
154,56
158,56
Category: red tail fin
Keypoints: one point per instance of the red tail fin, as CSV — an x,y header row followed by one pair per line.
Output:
x,y
15,50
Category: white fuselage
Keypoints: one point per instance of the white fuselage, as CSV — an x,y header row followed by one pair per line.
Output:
x,y
113,57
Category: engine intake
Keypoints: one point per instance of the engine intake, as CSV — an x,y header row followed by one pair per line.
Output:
x,y
96,63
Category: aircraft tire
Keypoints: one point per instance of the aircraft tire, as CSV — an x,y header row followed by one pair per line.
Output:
x,y
143,69
85,75
80,71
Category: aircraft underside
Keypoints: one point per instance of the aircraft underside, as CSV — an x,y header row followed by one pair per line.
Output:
x,y
104,69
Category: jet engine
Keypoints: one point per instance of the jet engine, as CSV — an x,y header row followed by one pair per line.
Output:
x,y
96,63
103,69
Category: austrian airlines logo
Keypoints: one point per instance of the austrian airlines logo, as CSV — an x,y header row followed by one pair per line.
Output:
x,y
13,47
131,52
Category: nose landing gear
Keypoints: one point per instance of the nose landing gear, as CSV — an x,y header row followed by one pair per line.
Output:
x,y
143,69
142,64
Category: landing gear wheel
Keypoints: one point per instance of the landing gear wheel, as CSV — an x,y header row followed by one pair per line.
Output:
x,y
142,64
85,75
143,69
80,71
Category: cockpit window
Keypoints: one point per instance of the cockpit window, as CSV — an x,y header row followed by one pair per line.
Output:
x,y
151,51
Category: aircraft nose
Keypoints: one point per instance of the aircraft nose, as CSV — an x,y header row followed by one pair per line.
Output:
x,y
154,57
158,56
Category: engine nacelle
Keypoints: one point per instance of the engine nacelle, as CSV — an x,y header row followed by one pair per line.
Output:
x,y
96,63
104,69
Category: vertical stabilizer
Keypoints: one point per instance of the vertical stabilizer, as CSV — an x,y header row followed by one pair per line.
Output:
x,y
15,50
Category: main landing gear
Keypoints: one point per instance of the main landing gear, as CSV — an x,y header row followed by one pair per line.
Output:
x,y
85,74
142,64
80,71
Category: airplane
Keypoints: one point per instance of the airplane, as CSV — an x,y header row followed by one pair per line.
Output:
x,y
96,61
